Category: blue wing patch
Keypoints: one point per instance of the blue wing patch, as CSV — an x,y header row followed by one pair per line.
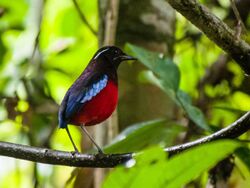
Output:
x,y
93,90
74,101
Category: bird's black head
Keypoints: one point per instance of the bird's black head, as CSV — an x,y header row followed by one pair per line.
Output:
x,y
112,55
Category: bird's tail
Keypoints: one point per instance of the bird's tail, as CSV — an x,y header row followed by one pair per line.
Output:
x,y
62,123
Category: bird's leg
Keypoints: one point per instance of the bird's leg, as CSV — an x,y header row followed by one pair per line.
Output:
x,y
76,150
92,139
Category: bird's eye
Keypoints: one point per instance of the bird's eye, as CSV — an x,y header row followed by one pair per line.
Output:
x,y
116,51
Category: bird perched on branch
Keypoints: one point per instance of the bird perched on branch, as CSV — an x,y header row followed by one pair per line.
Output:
x,y
93,97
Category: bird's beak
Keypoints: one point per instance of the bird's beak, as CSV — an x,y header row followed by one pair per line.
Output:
x,y
125,57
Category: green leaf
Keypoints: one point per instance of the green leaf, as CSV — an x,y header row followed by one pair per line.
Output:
x,y
150,155
139,175
148,76
167,78
190,164
141,135
230,109
244,155
194,113
163,67
14,14
153,169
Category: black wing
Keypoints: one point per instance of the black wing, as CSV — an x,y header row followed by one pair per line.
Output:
x,y
79,93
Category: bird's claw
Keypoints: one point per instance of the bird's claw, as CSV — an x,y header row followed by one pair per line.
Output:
x,y
73,153
100,153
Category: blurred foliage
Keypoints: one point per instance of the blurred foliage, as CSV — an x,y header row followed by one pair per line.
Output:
x,y
33,79
44,46
151,168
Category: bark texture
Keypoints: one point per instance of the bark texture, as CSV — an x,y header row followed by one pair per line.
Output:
x,y
215,29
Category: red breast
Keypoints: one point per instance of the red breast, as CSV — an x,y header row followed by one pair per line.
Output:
x,y
99,108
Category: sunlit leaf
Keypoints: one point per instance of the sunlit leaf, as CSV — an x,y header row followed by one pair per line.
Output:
x,y
150,155
190,164
13,13
147,164
230,109
152,170
141,135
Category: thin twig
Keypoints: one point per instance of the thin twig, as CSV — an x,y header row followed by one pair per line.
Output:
x,y
39,22
35,46
44,155
83,18
215,29
240,23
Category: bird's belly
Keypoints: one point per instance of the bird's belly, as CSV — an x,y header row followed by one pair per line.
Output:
x,y
99,108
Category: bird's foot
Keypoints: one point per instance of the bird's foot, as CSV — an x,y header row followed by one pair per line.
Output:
x,y
100,153
73,153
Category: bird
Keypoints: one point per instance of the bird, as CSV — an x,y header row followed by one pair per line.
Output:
x,y
93,97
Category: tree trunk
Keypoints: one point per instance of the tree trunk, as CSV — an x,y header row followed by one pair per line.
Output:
x,y
150,24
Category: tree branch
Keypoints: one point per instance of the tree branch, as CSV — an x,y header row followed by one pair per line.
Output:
x,y
48,156
234,130
215,29
83,18
44,155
